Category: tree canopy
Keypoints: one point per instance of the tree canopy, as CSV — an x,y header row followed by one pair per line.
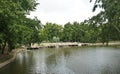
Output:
x,y
14,25
17,30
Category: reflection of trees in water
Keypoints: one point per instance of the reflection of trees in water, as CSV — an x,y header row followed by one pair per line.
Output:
x,y
36,61
56,62
110,70
107,70
66,52
51,59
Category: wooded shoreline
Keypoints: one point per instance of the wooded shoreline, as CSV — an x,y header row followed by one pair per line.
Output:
x,y
54,45
70,44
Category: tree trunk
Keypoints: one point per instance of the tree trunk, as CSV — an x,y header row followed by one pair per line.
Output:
x,y
0,47
10,46
107,43
3,48
30,44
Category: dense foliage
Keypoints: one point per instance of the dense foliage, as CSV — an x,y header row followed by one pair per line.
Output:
x,y
103,27
18,30
15,28
110,17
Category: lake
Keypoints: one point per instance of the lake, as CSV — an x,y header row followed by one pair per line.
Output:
x,y
82,60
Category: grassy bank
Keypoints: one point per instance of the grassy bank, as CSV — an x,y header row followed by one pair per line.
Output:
x,y
8,58
5,57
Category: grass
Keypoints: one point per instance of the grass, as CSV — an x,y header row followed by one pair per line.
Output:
x,y
5,57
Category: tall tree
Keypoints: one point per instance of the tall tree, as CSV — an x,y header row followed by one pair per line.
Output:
x,y
12,12
51,30
67,32
111,15
111,11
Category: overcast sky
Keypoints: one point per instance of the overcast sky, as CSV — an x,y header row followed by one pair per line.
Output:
x,y
63,11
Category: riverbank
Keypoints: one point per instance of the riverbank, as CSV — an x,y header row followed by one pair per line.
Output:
x,y
70,44
11,58
53,45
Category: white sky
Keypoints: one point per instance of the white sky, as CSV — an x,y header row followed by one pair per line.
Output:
x,y
63,11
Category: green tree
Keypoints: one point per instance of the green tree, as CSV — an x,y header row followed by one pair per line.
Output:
x,y
50,31
111,15
12,12
67,32
28,32
77,33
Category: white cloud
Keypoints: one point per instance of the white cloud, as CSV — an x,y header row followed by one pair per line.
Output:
x,y
63,11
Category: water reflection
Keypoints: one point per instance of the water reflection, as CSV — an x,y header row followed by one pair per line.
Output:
x,y
61,67
92,60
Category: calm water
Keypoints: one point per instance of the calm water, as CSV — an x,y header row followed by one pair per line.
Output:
x,y
92,60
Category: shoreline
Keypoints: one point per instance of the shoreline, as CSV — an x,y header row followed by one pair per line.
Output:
x,y
53,45
70,44
14,53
